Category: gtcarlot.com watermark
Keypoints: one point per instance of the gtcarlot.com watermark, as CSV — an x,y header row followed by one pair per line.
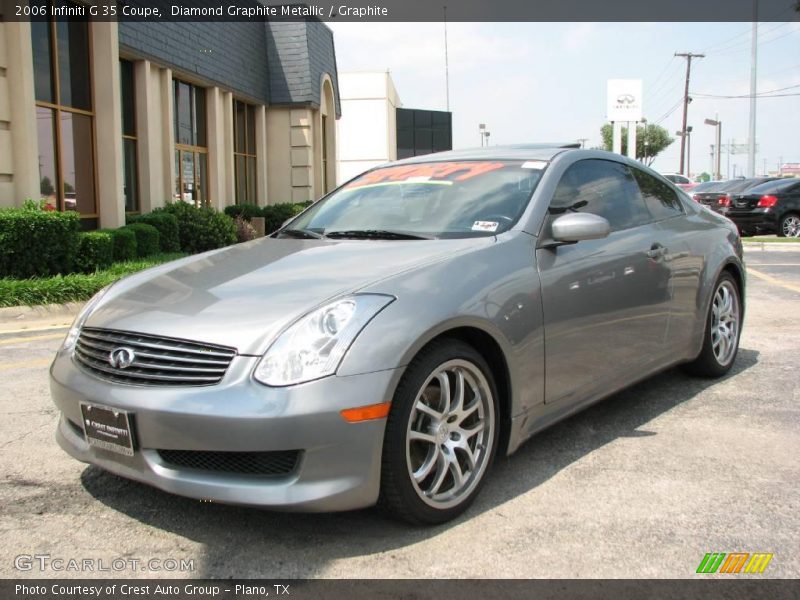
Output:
x,y
48,563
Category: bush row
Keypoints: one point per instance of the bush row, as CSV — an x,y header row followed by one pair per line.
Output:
x,y
36,241
76,287
274,214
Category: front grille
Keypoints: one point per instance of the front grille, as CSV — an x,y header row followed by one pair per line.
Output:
x,y
275,463
157,360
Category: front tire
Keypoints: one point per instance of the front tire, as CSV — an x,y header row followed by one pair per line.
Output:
x,y
441,434
789,226
722,331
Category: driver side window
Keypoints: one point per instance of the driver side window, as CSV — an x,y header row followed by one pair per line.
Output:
x,y
604,188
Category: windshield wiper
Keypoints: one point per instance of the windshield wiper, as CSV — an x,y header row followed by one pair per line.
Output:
x,y
375,234
301,233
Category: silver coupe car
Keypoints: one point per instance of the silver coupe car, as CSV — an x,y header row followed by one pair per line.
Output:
x,y
384,345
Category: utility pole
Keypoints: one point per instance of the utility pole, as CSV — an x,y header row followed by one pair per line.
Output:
x,y
688,56
582,141
751,152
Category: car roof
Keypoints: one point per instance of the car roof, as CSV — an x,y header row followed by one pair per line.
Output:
x,y
740,185
544,151
777,185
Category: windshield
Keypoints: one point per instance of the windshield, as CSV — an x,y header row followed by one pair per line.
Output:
x,y
428,200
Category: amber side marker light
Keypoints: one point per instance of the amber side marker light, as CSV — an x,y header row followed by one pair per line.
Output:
x,y
366,413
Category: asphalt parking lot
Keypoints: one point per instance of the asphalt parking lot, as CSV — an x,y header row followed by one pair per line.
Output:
x,y
640,485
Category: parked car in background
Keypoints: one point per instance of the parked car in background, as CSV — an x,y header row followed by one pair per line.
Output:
x,y
681,181
384,345
771,207
711,197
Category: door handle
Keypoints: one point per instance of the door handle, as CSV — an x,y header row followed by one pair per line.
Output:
x,y
656,251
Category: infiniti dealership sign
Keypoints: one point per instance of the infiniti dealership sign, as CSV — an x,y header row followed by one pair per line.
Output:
x,y
624,100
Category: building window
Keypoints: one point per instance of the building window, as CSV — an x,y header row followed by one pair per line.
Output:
x,y
244,152
64,114
191,146
129,140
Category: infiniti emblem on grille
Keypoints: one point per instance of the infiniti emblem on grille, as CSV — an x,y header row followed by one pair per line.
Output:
x,y
121,358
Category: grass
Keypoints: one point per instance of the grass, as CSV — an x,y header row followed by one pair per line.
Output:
x,y
76,287
772,239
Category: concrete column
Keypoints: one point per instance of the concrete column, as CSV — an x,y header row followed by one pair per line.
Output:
x,y
631,153
19,148
216,147
108,123
616,137
227,121
302,154
166,110
149,151
262,185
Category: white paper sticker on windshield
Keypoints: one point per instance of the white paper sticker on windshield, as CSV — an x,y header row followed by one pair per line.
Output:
x,y
485,226
534,164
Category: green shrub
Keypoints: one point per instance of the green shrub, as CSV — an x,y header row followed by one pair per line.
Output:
x,y
275,214
167,225
202,229
124,243
147,239
36,242
246,211
77,287
95,251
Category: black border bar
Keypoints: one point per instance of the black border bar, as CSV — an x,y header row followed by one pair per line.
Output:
x,y
727,587
154,11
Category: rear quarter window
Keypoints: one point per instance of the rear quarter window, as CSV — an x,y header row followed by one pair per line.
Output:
x,y
660,199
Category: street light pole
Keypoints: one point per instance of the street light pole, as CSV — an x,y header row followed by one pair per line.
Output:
x,y
715,122
751,151
482,130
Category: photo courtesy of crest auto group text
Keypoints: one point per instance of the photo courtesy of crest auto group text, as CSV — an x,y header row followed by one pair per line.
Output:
x,y
367,299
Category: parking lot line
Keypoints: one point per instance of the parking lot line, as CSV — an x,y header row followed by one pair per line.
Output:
x,y
33,338
26,364
773,280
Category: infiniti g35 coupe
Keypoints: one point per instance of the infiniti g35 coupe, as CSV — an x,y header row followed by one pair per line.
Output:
x,y
386,344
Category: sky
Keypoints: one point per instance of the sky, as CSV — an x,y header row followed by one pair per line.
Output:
x,y
545,82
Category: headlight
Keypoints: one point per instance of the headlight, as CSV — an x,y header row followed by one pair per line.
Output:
x,y
77,324
315,344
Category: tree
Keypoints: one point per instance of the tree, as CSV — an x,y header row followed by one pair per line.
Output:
x,y
46,186
656,136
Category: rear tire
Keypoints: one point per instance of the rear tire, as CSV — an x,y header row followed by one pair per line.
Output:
x,y
441,435
789,226
722,331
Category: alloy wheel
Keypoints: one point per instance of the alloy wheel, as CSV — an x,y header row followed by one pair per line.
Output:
x,y
450,434
791,226
725,322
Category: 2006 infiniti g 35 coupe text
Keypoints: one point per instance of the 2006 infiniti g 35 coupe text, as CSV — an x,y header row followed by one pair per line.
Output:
x,y
387,343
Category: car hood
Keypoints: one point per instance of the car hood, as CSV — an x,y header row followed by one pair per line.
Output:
x,y
243,295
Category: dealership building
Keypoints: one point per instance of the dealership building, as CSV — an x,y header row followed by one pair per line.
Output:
x,y
114,118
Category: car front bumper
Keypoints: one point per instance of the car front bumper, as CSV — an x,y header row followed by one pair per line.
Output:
x,y
339,462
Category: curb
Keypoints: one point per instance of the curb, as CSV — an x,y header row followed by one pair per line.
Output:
x,y
16,318
771,246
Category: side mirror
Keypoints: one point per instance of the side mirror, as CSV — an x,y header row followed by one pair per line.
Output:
x,y
575,227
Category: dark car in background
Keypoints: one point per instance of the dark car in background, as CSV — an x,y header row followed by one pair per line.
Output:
x,y
771,207
714,196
